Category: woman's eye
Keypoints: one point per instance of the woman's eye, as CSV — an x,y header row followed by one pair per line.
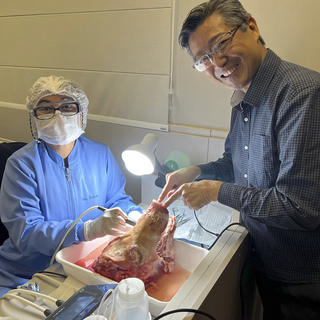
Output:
x,y
44,109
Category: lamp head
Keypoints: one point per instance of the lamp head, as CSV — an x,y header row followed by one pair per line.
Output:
x,y
139,158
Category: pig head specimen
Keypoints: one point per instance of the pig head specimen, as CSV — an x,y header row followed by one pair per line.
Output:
x,y
146,251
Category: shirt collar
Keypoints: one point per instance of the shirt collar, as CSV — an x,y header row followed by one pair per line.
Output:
x,y
260,82
236,98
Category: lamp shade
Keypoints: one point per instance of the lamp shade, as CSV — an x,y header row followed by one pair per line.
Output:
x,y
139,159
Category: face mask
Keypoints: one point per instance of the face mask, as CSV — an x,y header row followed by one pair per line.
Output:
x,y
59,130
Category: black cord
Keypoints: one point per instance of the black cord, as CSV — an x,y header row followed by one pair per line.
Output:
x,y
246,259
184,310
195,215
218,235
226,228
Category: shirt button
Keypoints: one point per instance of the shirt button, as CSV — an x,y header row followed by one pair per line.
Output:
x,y
245,147
245,119
245,175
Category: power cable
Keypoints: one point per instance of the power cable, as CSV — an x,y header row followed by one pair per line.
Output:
x,y
209,316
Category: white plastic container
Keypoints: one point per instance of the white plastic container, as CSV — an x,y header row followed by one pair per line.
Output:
x,y
132,302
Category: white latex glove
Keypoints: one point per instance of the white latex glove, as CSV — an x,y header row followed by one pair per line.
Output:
x,y
111,221
134,215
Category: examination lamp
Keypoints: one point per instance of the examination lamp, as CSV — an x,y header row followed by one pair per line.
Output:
x,y
140,159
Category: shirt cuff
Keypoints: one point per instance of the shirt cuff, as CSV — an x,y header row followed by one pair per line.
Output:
x,y
230,195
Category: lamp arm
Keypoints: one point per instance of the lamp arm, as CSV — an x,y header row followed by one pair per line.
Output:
x,y
163,169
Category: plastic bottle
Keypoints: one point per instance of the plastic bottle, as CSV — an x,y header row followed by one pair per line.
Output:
x,y
132,302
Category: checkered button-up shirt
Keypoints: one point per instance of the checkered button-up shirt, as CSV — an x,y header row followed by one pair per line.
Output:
x,y
271,168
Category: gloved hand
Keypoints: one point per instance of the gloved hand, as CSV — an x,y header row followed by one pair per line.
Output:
x,y
111,221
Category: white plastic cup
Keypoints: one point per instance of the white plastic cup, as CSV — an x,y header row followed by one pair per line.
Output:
x,y
132,302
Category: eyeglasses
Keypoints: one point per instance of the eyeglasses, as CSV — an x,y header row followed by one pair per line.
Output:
x,y
218,48
46,111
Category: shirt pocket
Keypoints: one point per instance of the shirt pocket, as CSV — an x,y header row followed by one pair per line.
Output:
x,y
263,165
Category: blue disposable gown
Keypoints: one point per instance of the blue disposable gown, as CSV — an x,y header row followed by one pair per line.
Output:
x,y
40,198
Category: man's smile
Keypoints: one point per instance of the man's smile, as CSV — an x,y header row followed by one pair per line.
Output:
x,y
229,71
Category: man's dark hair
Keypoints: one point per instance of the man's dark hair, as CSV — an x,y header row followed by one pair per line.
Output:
x,y
232,12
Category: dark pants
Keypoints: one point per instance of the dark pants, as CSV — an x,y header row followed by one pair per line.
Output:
x,y
289,301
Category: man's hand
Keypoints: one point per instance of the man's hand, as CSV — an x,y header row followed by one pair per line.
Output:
x,y
175,179
195,195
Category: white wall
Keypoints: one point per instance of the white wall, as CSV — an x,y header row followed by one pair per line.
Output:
x,y
119,51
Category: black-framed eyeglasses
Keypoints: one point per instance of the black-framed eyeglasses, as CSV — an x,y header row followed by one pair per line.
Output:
x,y
46,111
219,47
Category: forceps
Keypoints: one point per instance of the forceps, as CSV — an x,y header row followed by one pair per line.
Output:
x,y
181,218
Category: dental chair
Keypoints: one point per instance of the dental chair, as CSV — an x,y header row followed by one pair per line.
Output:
x,y
6,150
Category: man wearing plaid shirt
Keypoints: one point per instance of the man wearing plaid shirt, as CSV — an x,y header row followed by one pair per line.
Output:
x,y
270,170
